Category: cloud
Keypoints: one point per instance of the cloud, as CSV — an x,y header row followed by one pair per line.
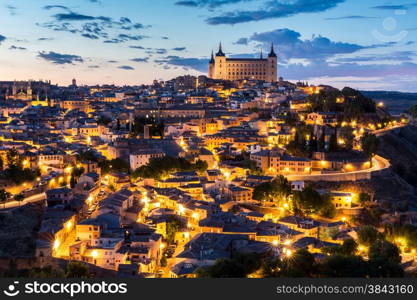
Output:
x,y
289,44
208,3
179,48
137,47
395,7
2,38
42,39
12,9
60,59
350,18
90,36
159,51
198,64
49,7
273,9
72,16
397,56
139,59
13,47
128,68
93,27
322,69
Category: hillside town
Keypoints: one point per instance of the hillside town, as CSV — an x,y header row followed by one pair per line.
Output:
x,y
199,177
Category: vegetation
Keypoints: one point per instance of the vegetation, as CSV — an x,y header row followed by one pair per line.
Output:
x,y
15,170
156,128
370,144
309,201
173,226
114,165
348,247
275,191
368,235
162,167
353,106
76,269
4,196
240,266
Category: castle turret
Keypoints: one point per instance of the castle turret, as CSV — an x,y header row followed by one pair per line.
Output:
x,y
220,67
212,58
272,53
211,66
272,69
220,52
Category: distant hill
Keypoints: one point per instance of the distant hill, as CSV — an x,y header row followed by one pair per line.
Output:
x,y
397,102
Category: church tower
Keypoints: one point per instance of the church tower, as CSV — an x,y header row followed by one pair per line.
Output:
x,y
29,91
272,69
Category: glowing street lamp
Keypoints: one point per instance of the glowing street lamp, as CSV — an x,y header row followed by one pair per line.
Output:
x,y
181,209
56,244
69,225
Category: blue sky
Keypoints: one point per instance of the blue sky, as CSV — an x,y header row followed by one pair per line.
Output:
x,y
364,44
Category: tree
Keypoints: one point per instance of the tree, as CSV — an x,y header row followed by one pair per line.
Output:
x,y
348,247
301,264
328,209
4,196
114,165
364,198
19,198
163,261
73,181
309,201
275,191
333,145
369,144
88,155
384,250
413,111
344,266
368,235
161,167
13,158
47,272
385,259
321,142
76,269
237,267
172,227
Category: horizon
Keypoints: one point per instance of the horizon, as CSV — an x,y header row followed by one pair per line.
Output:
x,y
334,42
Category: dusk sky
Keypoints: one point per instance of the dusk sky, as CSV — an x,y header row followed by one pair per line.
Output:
x,y
363,44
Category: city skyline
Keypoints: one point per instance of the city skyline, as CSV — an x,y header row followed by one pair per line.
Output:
x,y
339,42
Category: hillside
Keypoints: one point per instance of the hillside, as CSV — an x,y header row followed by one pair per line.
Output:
x,y
19,228
396,102
400,147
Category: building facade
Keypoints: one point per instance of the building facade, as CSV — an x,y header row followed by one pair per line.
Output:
x,y
221,67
